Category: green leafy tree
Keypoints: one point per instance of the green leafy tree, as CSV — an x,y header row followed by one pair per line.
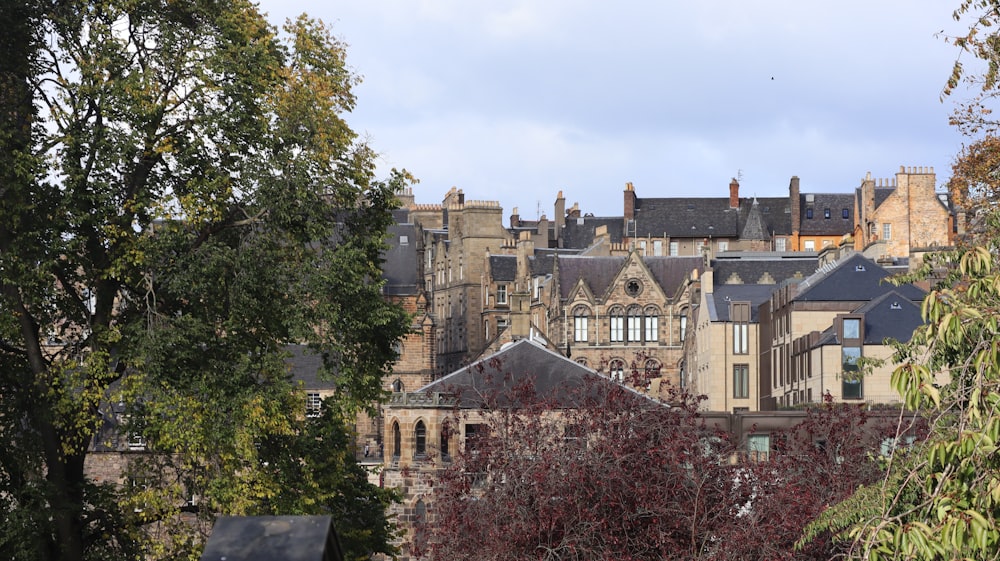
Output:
x,y
181,200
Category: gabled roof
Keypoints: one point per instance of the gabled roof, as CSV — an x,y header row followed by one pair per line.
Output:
x,y
306,366
597,272
671,272
755,228
853,278
819,224
890,316
518,365
503,268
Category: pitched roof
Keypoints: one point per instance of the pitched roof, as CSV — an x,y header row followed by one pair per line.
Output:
x,y
503,268
578,233
890,316
772,267
755,228
597,272
723,295
707,217
827,214
518,365
671,272
853,278
399,268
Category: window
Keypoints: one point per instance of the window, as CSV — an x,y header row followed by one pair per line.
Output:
x,y
501,294
642,247
652,320
616,370
845,214
617,319
809,245
404,240
396,440
675,248
826,213
852,328
634,324
651,369
580,318
741,381
473,434
759,447
779,244
445,435
313,404
397,385
538,287
887,231
739,314
633,287
809,213
684,324
851,386
723,246
420,437
657,247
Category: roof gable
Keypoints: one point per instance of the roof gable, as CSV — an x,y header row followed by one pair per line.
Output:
x,y
854,278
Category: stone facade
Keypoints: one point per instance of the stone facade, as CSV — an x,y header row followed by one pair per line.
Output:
x,y
902,214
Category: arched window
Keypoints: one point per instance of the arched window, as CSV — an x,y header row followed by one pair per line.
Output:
x,y
684,323
634,328
652,368
419,511
580,316
616,316
652,324
616,370
396,440
581,361
445,435
397,386
420,436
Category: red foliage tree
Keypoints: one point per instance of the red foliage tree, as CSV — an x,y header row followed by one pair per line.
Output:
x,y
609,474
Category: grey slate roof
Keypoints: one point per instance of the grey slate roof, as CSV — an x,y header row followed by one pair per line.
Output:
x,y
721,296
755,228
519,364
707,217
819,224
503,268
578,233
780,267
890,316
671,271
400,266
597,272
852,279
306,366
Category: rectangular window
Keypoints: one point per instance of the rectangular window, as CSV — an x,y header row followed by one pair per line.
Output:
x,y
741,381
617,329
887,231
652,329
675,248
501,294
779,244
723,246
634,328
809,213
826,213
658,247
313,404
846,213
642,247
473,434
580,329
684,324
538,287
759,447
740,339
809,245
852,328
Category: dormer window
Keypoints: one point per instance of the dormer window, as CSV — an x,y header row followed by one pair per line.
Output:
x,y
846,214
859,268
809,213
826,213
895,306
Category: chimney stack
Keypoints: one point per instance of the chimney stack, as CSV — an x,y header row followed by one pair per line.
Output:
x,y
734,193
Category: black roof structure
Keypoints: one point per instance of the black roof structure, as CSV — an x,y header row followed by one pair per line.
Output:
x,y
854,278
708,217
399,268
822,214
579,232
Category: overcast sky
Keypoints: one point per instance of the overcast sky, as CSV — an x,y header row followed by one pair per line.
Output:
x,y
515,100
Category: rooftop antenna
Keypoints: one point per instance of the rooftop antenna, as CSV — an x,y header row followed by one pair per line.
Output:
x,y
538,209
739,176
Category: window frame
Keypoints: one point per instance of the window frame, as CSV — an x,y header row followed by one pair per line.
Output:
x,y
741,381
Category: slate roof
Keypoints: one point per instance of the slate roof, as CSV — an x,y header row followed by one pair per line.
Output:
x,y
852,279
698,217
819,224
503,268
518,364
400,266
751,271
881,194
578,233
671,272
597,272
890,316
755,228
721,296
305,366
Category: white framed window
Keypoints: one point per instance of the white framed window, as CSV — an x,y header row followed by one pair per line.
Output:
x,y
724,246
887,231
741,381
652,324
617,322
657,247
314,404
580,317
759,447
634,325
779,244
809,245
675,248
616,370
501,294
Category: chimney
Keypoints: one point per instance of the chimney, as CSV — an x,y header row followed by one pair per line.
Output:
x,y
795,204
573,212
515,219
543,230
461,197
734,193
629,201
560,213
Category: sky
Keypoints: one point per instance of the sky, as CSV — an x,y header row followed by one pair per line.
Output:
x,y
516,100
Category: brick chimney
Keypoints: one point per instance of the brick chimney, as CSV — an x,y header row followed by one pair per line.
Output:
x,y
795,204
515,219
629,201
734,193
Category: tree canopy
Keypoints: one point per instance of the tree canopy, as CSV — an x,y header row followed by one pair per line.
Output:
x,y
182,200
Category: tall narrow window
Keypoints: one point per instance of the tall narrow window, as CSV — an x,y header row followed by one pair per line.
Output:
x,y
741,381
314,404
740,316
445,435
779,244
887,231
580,317
657,247
502,294
651,318
420,438
684,324
651,368
634,324
616,317
675,248
396,440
